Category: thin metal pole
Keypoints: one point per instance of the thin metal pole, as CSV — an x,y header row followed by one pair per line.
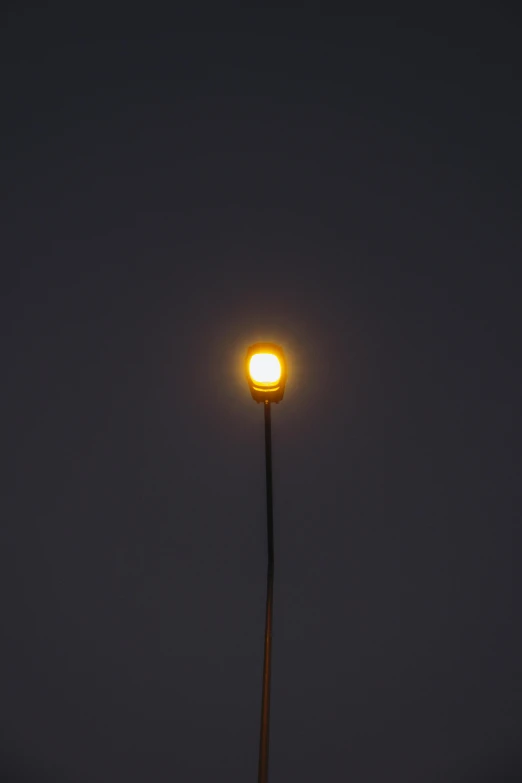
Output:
x,y
265,702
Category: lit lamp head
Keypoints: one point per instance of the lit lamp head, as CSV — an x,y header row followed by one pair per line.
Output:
x,y
266,372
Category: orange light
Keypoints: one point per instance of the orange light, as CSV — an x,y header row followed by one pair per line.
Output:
x,y
266,372
265,368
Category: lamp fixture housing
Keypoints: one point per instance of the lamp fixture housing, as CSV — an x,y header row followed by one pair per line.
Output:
x,y
266,372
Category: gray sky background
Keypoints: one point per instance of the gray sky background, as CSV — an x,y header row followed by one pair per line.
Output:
x,y
173,189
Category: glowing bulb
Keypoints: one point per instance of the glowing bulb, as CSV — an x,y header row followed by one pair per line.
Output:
x,y
265,368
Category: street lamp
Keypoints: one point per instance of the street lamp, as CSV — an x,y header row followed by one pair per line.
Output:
x,y
266,372
266,375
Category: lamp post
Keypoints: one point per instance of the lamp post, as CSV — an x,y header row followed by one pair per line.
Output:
x,y
266,375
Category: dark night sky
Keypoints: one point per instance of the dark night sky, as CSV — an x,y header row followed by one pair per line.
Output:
x,y
173,188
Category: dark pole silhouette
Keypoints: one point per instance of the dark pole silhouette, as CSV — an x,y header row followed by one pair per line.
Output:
x,y
265,703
